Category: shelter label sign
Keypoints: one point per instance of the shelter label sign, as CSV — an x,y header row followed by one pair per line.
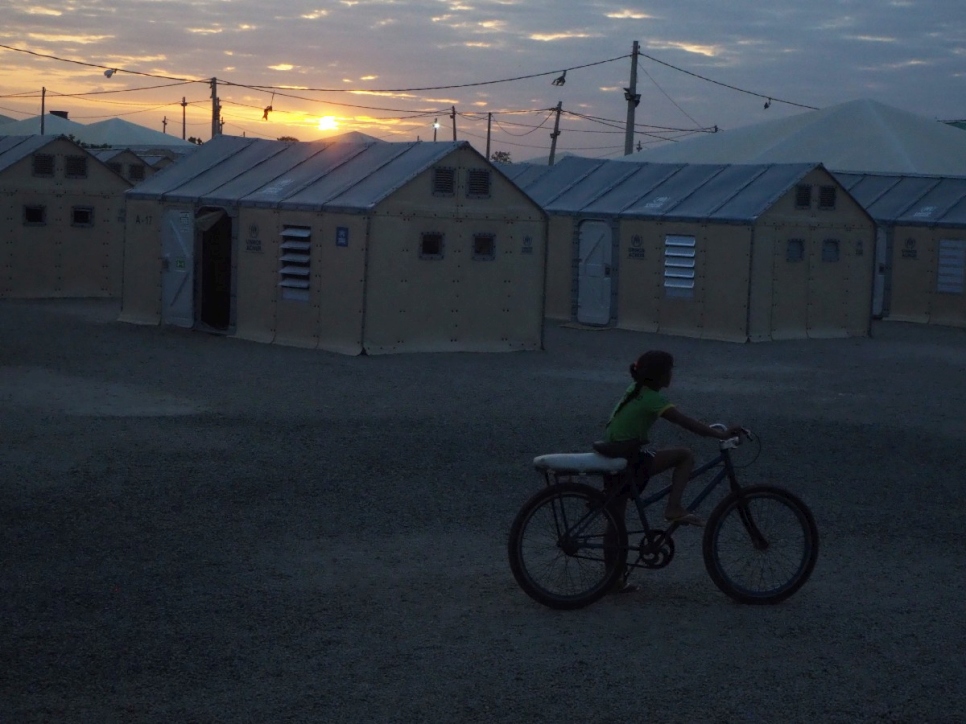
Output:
x,y
527,247
253,243
636,249
342,236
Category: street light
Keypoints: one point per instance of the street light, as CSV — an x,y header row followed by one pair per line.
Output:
x,y
435,127
561,79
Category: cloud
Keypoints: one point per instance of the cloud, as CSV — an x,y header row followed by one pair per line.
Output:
x,y
37,10
710,51
204,31
315,14
628,15
551,37
79,39
281,66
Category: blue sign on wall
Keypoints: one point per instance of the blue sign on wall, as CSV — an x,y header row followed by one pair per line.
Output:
x,y
342,236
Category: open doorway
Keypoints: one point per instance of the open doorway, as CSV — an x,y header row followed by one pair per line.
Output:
x,y
214,228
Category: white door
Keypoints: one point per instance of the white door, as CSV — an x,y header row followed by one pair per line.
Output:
x,y
878,281
593,273
177,268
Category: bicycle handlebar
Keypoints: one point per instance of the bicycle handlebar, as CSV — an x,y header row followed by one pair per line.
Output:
x,y
731,442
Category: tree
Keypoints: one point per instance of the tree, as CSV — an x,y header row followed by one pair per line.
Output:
x,y
500,157
192,139
289,139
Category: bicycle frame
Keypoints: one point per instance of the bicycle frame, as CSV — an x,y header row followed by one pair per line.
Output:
x,y
634,491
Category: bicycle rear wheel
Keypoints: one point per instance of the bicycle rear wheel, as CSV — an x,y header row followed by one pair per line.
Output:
x,y
557,547
760,545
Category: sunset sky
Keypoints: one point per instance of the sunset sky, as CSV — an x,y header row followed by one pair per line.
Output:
x,y
365,61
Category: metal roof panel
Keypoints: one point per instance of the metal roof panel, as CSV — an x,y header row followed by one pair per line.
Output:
x,y
17,148
646,177
893,203
760,193
662,200
189,167
934,205
591,187
547,187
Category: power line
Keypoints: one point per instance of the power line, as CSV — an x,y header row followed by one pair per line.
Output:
x,y
656,85
725,85
100,67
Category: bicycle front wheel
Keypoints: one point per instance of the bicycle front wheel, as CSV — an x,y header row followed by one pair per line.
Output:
x,y
566,548
760,544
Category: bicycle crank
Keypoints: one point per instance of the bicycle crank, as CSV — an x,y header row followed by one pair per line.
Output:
x,y
656,549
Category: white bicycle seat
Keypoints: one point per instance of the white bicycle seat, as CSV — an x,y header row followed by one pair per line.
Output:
x,y
591,462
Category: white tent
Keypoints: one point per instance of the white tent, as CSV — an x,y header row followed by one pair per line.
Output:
x,y
118,132
861,136
53,126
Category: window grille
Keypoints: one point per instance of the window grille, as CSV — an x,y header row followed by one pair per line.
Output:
x,y
295,258
75,167
803,196
444,181
830,250
135,172
34,215
795,251
679,265
952,266
116,167
478,183
43,164
431,245
826,197
484,247
82,216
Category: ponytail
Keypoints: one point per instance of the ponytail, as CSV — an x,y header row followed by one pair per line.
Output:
x,y
649,367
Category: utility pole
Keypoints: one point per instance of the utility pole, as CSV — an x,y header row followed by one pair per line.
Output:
x,y
184,104
164,124
215,109
435,128
633,98
43,108
489,122
556,132
453,116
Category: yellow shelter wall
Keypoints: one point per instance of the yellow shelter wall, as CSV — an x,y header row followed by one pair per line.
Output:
x,y
61,258
456,302
915,269
141,298
718,308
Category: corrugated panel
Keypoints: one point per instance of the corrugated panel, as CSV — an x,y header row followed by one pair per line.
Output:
x,y
894,202
513,170
340,180
934,205
273,190
761,193
645,179
718,191
244,162
867,189
662,200
208,156
265,172
591,187
559,178
17,148
397,171
528,174
955,216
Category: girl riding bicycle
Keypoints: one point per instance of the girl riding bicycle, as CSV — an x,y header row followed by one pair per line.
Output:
x,y
630,423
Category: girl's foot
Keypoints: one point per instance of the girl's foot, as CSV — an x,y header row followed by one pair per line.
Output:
x,y
684,518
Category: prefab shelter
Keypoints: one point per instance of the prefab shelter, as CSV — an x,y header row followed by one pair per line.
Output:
x,y
921,240
375,247
125,162
62,215
734,252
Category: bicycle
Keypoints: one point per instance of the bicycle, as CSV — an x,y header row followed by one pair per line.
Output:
x,y
557,546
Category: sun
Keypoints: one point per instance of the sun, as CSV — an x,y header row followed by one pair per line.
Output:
x,y
328,123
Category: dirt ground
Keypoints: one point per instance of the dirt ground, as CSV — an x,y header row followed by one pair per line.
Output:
x,y
196,528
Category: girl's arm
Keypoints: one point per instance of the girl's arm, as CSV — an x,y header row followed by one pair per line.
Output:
x,y
673,414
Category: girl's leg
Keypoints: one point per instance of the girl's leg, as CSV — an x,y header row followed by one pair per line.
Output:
x,y
681,461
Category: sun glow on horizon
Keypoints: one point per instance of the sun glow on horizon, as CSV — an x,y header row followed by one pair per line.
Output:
x,y
328,123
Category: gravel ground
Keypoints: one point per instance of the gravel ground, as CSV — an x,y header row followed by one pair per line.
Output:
x,y
196,528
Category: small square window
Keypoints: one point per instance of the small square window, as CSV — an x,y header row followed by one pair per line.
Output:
x,y
43,164
34,215
484,247
82,216
136,172
75,167
444,181
795,250
431,246
478,183
826,197
830,250
803,196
